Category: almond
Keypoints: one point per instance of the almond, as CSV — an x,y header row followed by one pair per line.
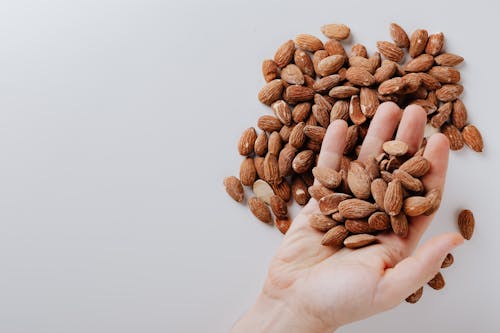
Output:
x,y
378,188
292,74
448,59
428,81
393,200
322,222
269,70
260,210
391,86
415,297
356,208
295,94
375,61
385,72
247,172
317,57
399,224
386,176
466,223
359,76
247,141
437,282
359,226
369,102
274,143
419,64
372,168
271,92
418,41
297,136
334,47
326,83
321,114
337,31
340,110
351,138
263,190
308,42
304,62
282,111
445,74
278,207
234,188
459,115
301,111
395,147
286,156
330,65
442,115
362,62
357,241
328,177
343,92
285,133
284,54
335,236
269,123
473,138
260,145
408,181
416,166
449,92
399,36
454,136
434,196
435,44
379,221
416,206
359,181
319,191
390,51
448,261
329,204
355,114
315,133
429,107
259,166
359,50
283,224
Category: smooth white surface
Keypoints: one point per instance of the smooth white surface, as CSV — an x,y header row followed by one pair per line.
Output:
x,y
118,122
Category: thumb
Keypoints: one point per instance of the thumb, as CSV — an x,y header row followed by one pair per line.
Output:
x,y
413,272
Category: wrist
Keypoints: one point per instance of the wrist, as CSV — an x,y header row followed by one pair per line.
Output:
x,y
273,315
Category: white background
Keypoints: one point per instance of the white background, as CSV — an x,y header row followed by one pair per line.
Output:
x,y
118,122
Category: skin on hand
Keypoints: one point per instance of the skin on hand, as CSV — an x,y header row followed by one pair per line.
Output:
x,y
315,288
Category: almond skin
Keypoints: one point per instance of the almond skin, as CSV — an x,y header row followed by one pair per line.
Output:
x,y
304,62
442,115
335,236
297,136
385,72
336,31
378,188
326,83
356,208
330,178
260,145
322,222
445,74
303,161
269,70
391,86
379,221
448,261
415,297
435,44
437,282
357,241
434,197
234,188
395,147
454,136
329,204
416,205
340,110
420,64
355,113
368,101
263,190
292,74
283,224
359,76
319,191
278,207
399,36
408,181
248,173
472,137
393,201
282,111
449,92
247,141
343,92
416,166
358,180
295,94
390,51
418,41
399,224
286,156
301,112
269,123
271,92
322,115
260,210
315,133
284,54
308,42
359,226
330,65
459,115
448,59
274,144
282,190
466,223
359,50
299,191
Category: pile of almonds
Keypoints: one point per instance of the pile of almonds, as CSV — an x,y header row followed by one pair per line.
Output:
x,y
311,83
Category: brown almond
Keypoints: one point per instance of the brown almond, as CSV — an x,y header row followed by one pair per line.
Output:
x,y
301,111
282,190
308,42
283,224
315,133
372,168
340,110
260,145
391,86
322,222
416,205
378,188
260,210
454,136
359,50
337,31
434,196
248,173
395,147
435,44
379,221
437,282
355,114
303,161
351,138
271,92
292,74
416,166
343,92
448,59
330,65
319,191
408,181
472,137
390,51
448,261
359,181
334,47
282,111
393,200
335,236
271,170
442,115
419,64
368,101
326,83
284,54
274,143
295,94
317,57
285,133
459,114
330,178
362,62
449,92
445,74
321,114
386,176
278,207
269,70
304,62
269,123
329,204
399,36
259,166
285,158
299,191
357,241
247,141
358,226
418,41
415,297
234,188
356,208
466,223
399,224
297,136
375,61
359,76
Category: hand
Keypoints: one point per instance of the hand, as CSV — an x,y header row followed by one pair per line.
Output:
x,y
315,288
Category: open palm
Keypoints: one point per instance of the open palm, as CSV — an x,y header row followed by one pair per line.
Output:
x,y
333,286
